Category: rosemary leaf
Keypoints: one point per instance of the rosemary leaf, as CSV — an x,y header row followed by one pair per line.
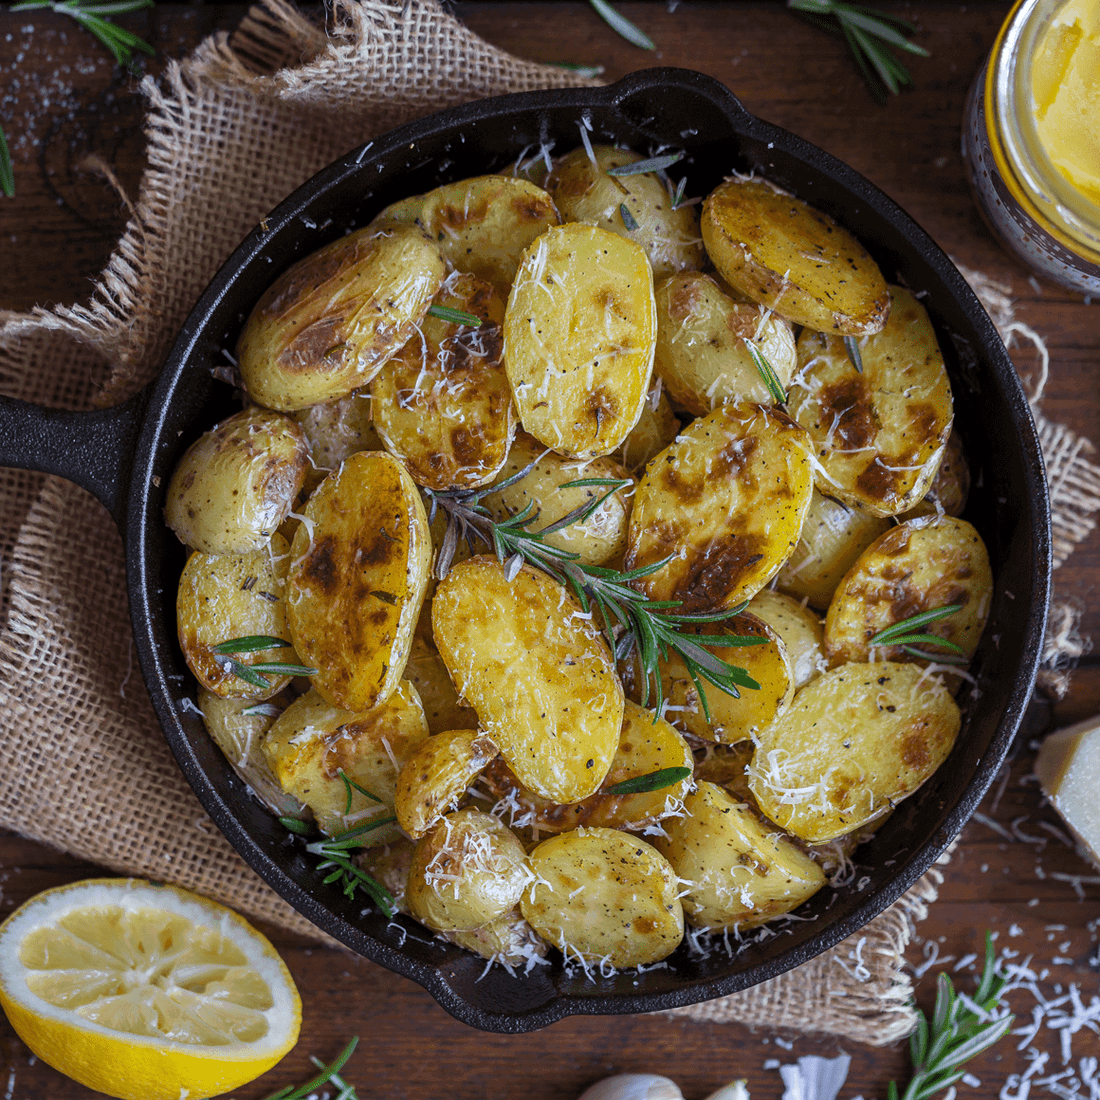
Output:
x,y
282,668
767,372
654,781
653,164
326,1076
908,632
250,643
244,672
851,345
455,316
622,26
588,71
628,218
349,785
301,828
7,175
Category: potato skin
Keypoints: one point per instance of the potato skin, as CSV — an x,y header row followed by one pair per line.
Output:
x,y
801,629
579,332
235,485
657,427
327,324
334,430
537,672
726,500
787,256
856,741
359,570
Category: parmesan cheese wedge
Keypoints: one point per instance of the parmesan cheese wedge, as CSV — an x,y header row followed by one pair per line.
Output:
x,y
1068,770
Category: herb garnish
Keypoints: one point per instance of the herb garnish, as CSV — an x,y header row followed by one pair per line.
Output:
x,y
956,1032
767,372
851,345
329,1075
654,781
7,176
455,316
628,219
908,635
349,785
251,643
636,627
653,164
621,25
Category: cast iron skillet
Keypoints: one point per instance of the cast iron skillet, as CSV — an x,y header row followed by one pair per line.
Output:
x,y
124,456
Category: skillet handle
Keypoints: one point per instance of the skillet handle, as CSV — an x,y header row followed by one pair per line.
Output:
x,y
93,449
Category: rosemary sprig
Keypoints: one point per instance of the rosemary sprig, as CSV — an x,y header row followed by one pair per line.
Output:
x,y
653,164
622,26
350,786
851,345
252,643
654,781
455,316
328,1075
939,1047
868,33
637,628
92,16
767,372
908,635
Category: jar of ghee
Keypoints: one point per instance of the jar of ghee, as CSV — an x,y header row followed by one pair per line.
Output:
x,y
1031,139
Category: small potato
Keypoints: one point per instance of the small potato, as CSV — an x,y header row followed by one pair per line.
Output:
x,y
727,766
647,744
600,538
470,869
833,536
426,671
536,670
793,259
950,487
327,324
879,435
404,212
732,719
602,895
508,940
801,629
359,570
223,597
703,339
434,779
334,430
483,225
726,502
312,742
657,427
236,484
740,872
579,332
237,727
584,191
855,742
926,563
442,403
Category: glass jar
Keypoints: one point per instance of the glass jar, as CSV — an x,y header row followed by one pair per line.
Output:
x,y
1037,211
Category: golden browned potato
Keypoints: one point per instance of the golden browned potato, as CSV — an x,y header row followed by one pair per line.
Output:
x,y
508,940
657,427
225,597
584,191
326,325
468,870
833,536
536,670
647,744
801,629
602,895
334,430
740,872
726,503
703,341
442,404
483,225
732,719
435,777
920,565
236,484
855,742
579,332
426,671
878,435
359,568
950,487
601,537
793,259
312,742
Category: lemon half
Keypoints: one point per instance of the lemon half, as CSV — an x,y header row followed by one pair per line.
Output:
x,y
145,992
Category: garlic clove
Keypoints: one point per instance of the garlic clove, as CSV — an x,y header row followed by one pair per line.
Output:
x,y
735,1090
633,1086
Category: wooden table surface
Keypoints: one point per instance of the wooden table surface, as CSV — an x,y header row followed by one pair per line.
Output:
x,y
62,100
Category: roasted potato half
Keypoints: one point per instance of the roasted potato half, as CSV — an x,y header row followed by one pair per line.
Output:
x,y
579,332
334,430
235,485
442,404
508,940
703,345
483,225
740,872
854,743
594,190
920,565
657,427
879,435
726,502
951,485
312,742
359,569
426,671
600,894
222,597
536,670
470,869
326,325
793,259
801,629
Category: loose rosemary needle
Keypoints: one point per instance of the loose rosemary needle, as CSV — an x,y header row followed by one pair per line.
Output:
x,y
253,643
908,635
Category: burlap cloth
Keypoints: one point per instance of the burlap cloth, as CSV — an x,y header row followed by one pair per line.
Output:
x,y
232,130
